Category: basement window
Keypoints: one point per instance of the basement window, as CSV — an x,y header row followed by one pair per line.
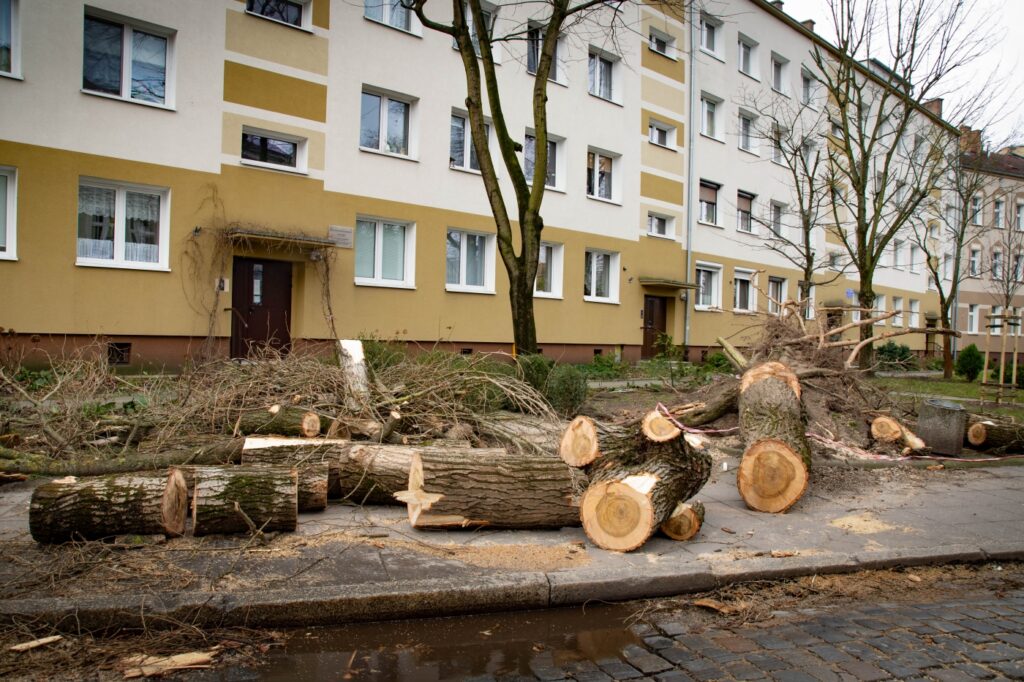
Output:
x,y
119,353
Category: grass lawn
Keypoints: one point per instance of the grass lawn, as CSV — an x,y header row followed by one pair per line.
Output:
x,y
1011,405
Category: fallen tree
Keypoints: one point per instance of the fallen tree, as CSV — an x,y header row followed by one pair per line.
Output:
x,y
984,433
253,499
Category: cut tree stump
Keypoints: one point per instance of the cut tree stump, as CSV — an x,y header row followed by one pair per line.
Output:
x,y
458,489
685,521
266,496
280,420
988,434
624,507
776,460
94,508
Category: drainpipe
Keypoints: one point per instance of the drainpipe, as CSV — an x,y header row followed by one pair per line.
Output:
x,y
688,189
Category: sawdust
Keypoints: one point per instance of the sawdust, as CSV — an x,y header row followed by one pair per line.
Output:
x,y
864,524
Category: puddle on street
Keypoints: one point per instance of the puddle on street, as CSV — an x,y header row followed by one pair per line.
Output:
x,y
453,648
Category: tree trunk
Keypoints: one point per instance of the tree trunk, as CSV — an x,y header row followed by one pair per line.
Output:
x,y
227,499
987,434
685,521
14,461
947,350
522,432
94,508
776,460
624,507
280,420
458,489
313,482
301,452
352,361
524,325
866,359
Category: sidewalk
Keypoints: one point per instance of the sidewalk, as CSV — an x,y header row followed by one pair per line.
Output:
x,y
351,563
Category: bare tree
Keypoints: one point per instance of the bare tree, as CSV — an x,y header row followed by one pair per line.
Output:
x,y
475,35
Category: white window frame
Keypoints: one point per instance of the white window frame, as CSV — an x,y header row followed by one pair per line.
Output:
x,y
1018,267
613,277
915,313
915,255
751,224
614,74
305,21
751,45
559,143
710,26
897,253
15,71
301,152
947,266
750,277
897,305
808,95
415,27
555,271
489,250
716,286
118,261
976,210
775,146
616,172
557,73
702,216
974,262
467,143
408,280
992,324
998,207
653,35
879,309
1020,216
776,225
972,318
10,211
129,25
411,114
709,114
779,85
669,222
774,307
997,265
654,125
748,144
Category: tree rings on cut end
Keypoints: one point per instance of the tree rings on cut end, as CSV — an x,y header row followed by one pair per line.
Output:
x,y
579,446
310,425
771,477
886,429
174,506
977,434
658,428
768,370
685,521
616,516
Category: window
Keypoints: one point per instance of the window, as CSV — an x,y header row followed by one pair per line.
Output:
x,y
974,263
600,73
972,318
777,145
122,225
834,260
384,124
806,89
123,61
660,133
709,203
746,133
461,152
709,290
897,254
933,231
1018,266
778,74
660,225
469,262
487,13
897,305
549,272
529,154
534,46
947,267
745,212
879,307
775,218
273,150
997,213
808,303
384,251
976,210
390,12
915,258
10,52
285,11
662,43
837,129
708,124
915,313
997,265
746,61
776,294
600,167
995,321
743,291
1020,217
601,276
709,34
8,214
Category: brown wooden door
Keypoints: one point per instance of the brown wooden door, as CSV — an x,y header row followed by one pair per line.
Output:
x,y
654,324
261,305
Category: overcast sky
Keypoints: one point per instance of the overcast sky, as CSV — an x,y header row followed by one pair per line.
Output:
x,y
1006,55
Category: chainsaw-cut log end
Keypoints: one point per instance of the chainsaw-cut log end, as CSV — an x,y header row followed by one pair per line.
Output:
x,y
310,426
174,505
772,476
685,522
579,446
658,428
616,515
977,434
770,369
886,429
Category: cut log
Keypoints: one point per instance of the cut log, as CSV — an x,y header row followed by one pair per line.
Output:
x,y
299,452
888,430
988,434
627,504
280,420
685,521
776,460
94,508
458,489
313,483
658,428
578,446
353,366
266,495
522,432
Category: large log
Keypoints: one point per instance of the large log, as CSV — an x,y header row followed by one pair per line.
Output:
x,y
298,452
626,504
228,499
313,481
776,460
523,432
94,508
281,420
459,489
984,433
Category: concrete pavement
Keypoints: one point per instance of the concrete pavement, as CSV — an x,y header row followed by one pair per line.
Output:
x,y
355,563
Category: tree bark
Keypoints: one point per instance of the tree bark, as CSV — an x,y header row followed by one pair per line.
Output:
x,y
987,434
776,460
626,504
302,452
280,420
522,432
14,461
352,361
458,489
264,495
94,508
313,482
685,521
947,350
888,430
866,298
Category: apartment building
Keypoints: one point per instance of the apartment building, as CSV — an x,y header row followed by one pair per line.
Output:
x,y
283,171
993,285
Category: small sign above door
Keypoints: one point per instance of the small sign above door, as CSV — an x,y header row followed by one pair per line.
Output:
x,y
342,237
